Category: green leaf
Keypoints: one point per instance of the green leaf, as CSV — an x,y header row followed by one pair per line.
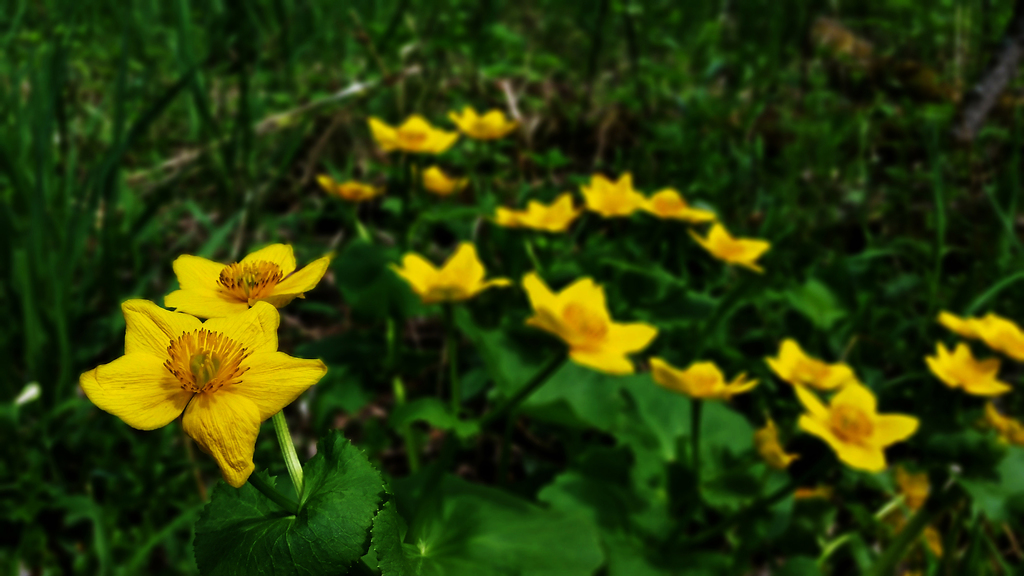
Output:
x,y
799,566
1001,498
433,412
242,532
369,285
815,301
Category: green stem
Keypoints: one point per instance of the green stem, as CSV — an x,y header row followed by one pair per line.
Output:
x,y
525,391
886,563
289,505
291,459
696,409
453,346
412,451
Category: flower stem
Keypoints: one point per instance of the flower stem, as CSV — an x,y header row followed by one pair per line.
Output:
x,y
696,409
276,497
539,379
453,346
291,459
412,450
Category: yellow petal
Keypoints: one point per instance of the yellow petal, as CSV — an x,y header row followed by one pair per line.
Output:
x,y
385,135
225,426
541,297
303,280
665,374
628,338
441,141
968,328
137,389
197,274
274,380
150,329
418,272
610,363
255,329
740,385
858,396
280,254
203,306
892,428
506,217
811,403
588,295
867,458
464,266
327,183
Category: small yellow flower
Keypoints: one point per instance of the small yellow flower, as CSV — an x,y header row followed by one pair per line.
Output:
x,y
554,217
414,135
579,316
612,199
741,251
1010,430
961,370
352,191
701,380
668,203
996,332
817,492
460,278
852,426
797,368
933,540
913,486
767,442
213,290
490,126
436,181
226,375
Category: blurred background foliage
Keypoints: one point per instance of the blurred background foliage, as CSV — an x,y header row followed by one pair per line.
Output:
x,y
135,131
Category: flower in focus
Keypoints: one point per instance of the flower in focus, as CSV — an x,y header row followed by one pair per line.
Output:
x,y
226,375
766,440
851,425
414,135
352,191
701,380
741,251
612,199
436,181
460,278
213,290
668,203
1010,430
961,370
554,217
579,316
913,486
797,368
996,332
490,126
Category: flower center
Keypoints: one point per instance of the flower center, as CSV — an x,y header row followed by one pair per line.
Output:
x,y
668,204
851,424
584,322
412,138
250,281
203,361
703,384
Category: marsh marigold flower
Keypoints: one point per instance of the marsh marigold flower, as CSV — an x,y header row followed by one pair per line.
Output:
x,y
554,217
226,375
766,440
1010,430
351,190
961,370
579,316
797,368
213,290
851,425
460,278
612,199
414,135
490,126
436,181
996,332
914,487
740,251
701,380
669,204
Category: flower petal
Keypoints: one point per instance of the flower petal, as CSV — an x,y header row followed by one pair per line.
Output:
x,y
386,136
303,280
280,254
255,329
149,329
966,327
856,395
587,294
203,306
197,274
541,297
137,389
892,428
225,426
627,338
274,380
464,266
418,272
811,403
867,458
603,361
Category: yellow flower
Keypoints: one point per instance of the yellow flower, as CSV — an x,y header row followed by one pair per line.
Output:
x,y
226,375
554,217
213,290
701,380
668,203
460,278
914,487
741,251
933,540
414,135
436,181
852,427
1010,430
996,332
352,191
612,199
961,370
796,367
579,316
490,126
767,442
